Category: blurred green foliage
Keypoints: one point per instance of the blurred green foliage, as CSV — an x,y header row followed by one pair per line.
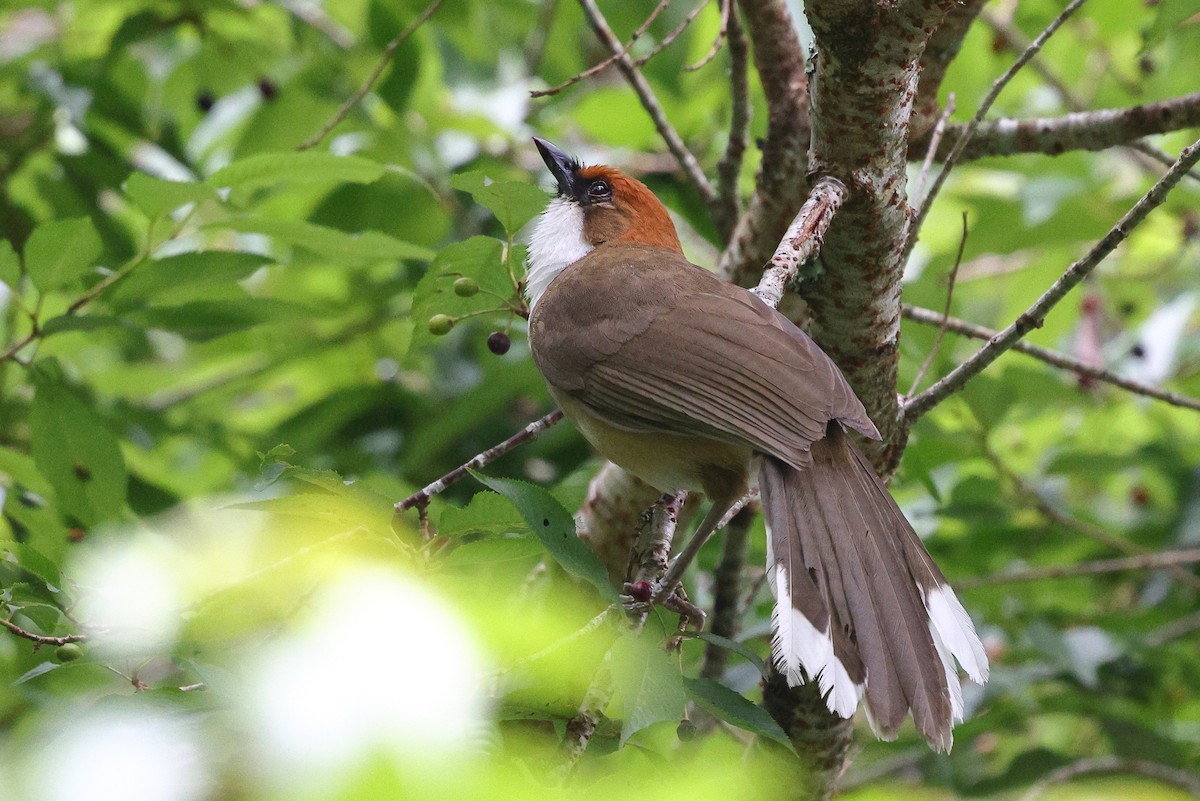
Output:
x,y
218,375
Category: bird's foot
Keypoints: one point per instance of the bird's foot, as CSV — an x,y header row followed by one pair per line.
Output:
x,y
642,596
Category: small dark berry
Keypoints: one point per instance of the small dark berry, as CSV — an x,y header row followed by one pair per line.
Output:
x,y
1139,495
76,534
81,471
205,101
1138,351
440,324
1091,304
68,652
465,287
639,591
499,343
268,89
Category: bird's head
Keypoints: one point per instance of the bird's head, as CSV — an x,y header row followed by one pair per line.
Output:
x,y
595,205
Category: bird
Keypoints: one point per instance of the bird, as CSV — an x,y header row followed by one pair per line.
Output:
x,y
692,383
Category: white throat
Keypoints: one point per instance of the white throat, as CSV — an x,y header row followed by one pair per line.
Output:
x,y
556,243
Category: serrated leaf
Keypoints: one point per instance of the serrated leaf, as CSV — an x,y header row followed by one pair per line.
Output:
x,y
204,319
487,513
730,645
76,453
313,166
169,277
649,687
61,252
514,203
331,243
555,527
731,707
37,563
345,509
156,196
492,551
10,265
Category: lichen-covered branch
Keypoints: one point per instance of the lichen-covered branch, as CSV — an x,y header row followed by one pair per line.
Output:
x,y
941,51
803,238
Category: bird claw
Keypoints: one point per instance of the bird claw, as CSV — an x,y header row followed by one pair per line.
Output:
x,y
642,596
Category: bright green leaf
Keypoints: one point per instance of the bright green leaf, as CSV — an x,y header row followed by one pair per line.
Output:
x,y
514,203
75,322
170,277
311,166
731,707
555,527
331,243
1171,14
738,648
61,252
487,513
479,258
649,687
204,319
74,450
156,196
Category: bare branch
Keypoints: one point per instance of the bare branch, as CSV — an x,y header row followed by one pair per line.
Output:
x,y
645,94
965,136
1035,315
1081,130
421,499
954,324
728,205
608,62
384,60
41,639
1151,561
1115,764
942,324
670,38
803,238
941,50
726,12
781,183
935,140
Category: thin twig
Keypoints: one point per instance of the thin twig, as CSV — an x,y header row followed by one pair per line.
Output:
x,y
1180,627
312,15
384,60
1034,47
726,13
937,342
802,239
670,38
1035,315
608,62
958,326
421,499
1150,561
1115,764
41,639
935,139
650,103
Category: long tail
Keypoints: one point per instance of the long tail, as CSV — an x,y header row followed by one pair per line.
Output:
x,y
859,604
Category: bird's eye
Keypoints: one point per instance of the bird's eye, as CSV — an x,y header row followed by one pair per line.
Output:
x,y
600,190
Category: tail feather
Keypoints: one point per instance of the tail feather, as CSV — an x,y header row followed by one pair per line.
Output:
x,y
860,606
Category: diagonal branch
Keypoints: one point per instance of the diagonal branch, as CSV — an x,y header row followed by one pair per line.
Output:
x,y
1150,561
803,238
1035,315
645,94
957,326
1081,130
354,99
727,206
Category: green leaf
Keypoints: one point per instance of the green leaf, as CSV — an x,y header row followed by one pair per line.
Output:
x,y
61,252
479,258
487,513
10,265
729,645
514,203
648,685
37,563
205,319
331,243
33,673
75,322
156,196
555,527
731,707
311,166
172,277
493,551
76,453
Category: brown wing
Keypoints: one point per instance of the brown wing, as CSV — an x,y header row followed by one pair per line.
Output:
x,y
650,342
